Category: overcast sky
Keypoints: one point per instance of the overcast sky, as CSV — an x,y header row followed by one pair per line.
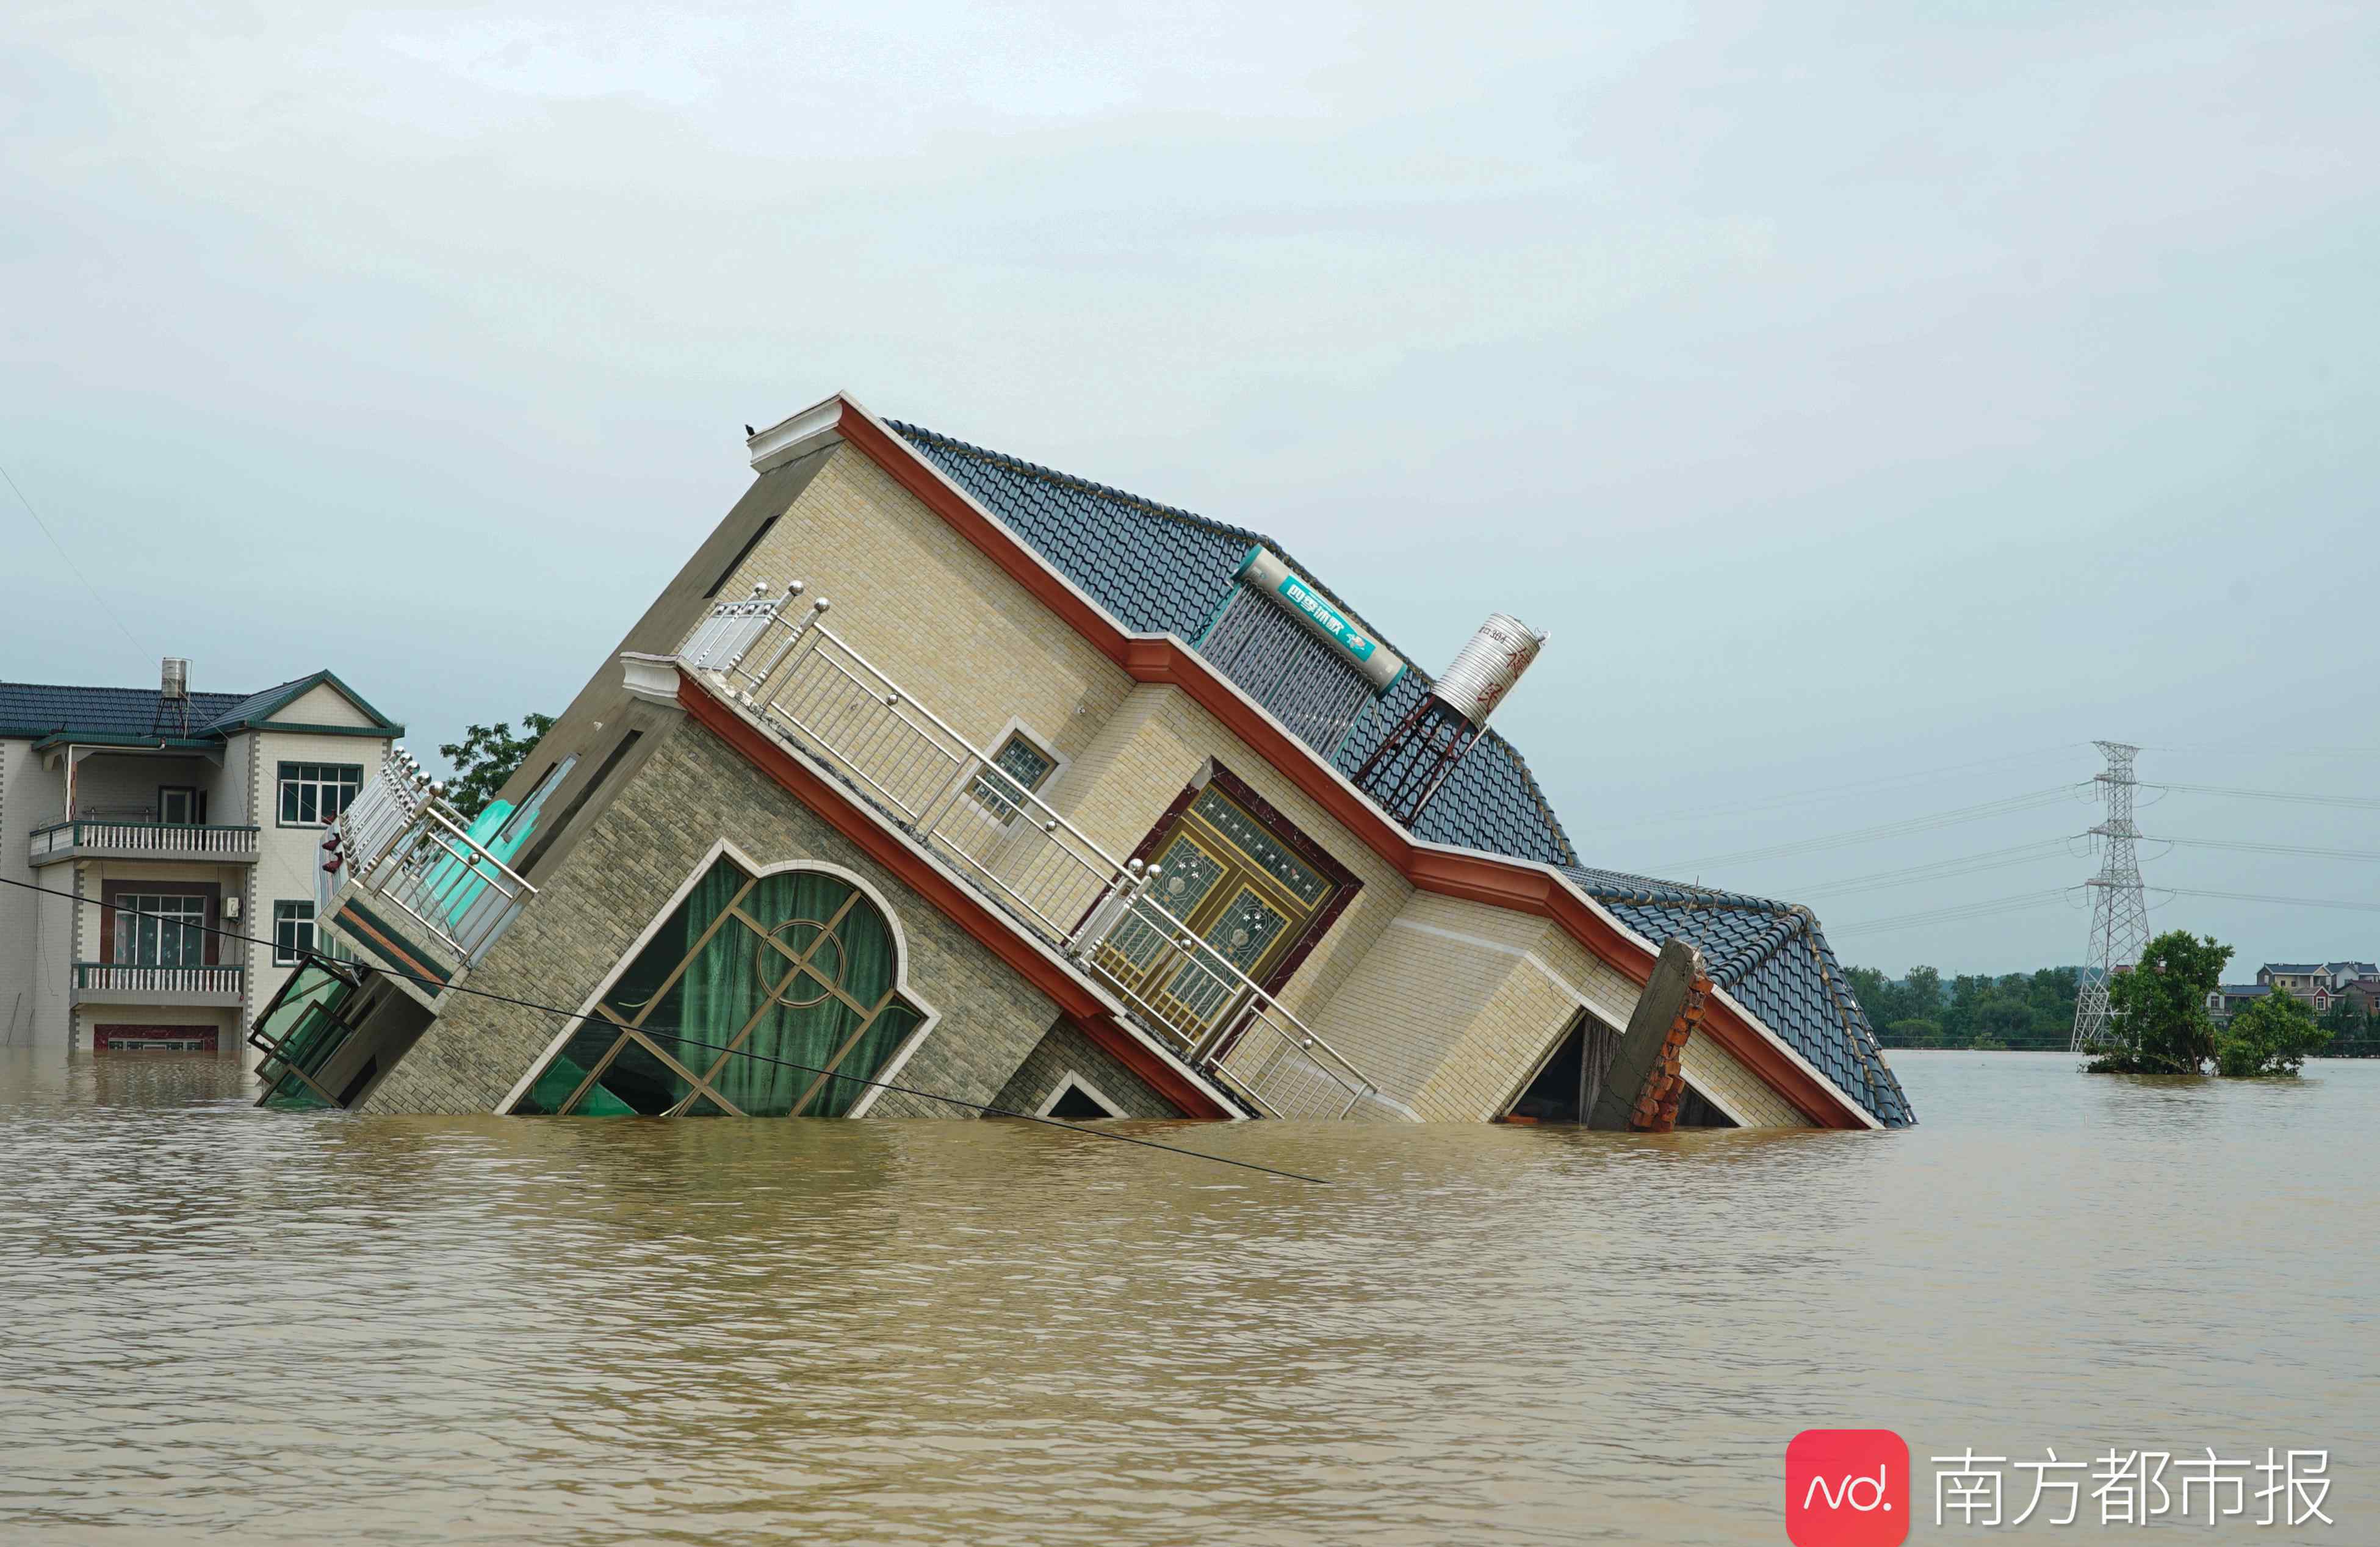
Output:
x,y
1853,397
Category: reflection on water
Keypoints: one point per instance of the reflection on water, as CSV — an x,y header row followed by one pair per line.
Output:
x,y
307,1327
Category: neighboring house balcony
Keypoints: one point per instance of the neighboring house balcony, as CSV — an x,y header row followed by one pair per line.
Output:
x,y
130,983
107,837
973,811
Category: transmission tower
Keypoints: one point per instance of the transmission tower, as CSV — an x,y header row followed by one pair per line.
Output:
x,y
2119,916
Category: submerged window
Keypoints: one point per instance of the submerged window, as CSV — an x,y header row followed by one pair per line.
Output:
x,y
759,996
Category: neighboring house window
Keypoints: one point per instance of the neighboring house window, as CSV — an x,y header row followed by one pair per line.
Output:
x,y
292,932
160,929
1020,765
313,794
180,805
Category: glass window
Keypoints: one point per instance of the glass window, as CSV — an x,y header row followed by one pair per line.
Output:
x,y
160,929
759,996
292,932
1019,765
313,794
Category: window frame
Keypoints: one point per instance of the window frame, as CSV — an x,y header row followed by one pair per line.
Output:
x,y
929,1016
285,782
124,950
989,800
312,945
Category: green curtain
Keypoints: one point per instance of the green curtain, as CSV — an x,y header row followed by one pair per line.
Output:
x,y
736,973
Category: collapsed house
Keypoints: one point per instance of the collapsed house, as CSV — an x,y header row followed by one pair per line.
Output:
x,y
934,773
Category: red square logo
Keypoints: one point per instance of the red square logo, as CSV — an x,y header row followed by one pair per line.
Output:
x,y
1847,1488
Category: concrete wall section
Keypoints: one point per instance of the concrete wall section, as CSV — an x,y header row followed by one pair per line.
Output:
x,y
636,850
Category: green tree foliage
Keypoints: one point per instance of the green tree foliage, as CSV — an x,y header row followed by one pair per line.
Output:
x,y
2165,1026
486,757
2020,1010
2271,1036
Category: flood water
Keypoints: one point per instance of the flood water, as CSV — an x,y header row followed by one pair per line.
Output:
x,y
308,1328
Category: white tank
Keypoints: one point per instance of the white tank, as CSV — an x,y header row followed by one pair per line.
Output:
x,y
174,678
1484,670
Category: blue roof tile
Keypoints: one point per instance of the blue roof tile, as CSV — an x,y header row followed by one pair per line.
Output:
x,y
40,709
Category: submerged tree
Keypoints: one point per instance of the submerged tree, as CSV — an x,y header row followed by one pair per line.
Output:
x,y
2273,1035
2163,1024
486,757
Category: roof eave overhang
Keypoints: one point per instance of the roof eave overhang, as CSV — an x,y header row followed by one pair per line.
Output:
x,y
1477,875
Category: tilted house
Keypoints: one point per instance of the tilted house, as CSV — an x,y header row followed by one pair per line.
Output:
x,y
937,773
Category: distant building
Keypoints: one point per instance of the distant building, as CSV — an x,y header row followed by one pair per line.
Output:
x,y
171,814
2318,983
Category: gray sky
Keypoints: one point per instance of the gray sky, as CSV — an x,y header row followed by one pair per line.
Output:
x,y
1851,395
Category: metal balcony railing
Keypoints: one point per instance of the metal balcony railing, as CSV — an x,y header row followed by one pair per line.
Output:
x,y
808,686
167,840
106,977
401,841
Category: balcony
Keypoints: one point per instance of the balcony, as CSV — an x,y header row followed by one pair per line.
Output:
x,y
99,982
410,882
812,690
108,838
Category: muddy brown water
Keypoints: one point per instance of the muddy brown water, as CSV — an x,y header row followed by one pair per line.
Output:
x,y
247,1326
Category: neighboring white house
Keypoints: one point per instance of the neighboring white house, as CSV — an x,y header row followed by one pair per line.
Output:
x,y
171,814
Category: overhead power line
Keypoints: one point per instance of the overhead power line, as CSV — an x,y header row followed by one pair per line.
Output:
x,y
1987,908
2258,897
113,616
2359,803
1851,786
675,1034
2246,846
1943,869
2029,800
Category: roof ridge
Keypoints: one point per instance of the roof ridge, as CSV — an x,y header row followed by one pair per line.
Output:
x,y
1039,469
95,688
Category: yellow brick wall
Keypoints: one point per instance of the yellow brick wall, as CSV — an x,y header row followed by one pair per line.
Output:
x,y
1152,747
928,608
1714,1071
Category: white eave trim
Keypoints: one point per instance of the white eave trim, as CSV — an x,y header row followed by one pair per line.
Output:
x,y
806,432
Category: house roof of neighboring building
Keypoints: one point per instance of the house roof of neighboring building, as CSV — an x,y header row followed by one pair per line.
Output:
x,y
2291,967
1158,569
52,712
2361,968
2245,991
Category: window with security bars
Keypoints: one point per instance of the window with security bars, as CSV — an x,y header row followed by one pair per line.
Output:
x,y
292,932
759,996
313,794
1018,768
160,929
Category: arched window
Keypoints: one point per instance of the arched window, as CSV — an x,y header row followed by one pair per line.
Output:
x,y
757,996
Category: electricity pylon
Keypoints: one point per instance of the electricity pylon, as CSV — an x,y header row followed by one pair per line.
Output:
x,y
2119,915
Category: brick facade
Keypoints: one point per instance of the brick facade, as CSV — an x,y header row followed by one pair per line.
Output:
x,y
690,791
1065,1051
